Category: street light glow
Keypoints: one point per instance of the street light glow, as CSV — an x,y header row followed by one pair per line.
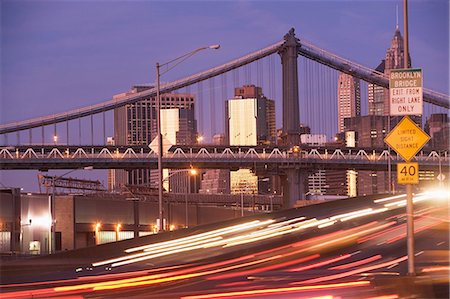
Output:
x,y
215,47
439,194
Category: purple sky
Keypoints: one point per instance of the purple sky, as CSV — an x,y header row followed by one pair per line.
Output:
x,y
57,56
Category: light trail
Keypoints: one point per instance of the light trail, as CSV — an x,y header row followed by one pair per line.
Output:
x,y
353,272
435,269
225,230
320,264
262,269
280,290
389,198
357,263
157,253
157,249
181,277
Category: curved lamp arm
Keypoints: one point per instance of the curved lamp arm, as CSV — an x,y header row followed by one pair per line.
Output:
x,y
182,58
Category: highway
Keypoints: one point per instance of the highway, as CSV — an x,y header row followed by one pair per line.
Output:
x,y
352,248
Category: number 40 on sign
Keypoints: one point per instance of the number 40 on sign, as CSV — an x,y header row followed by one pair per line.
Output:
x,y
408,173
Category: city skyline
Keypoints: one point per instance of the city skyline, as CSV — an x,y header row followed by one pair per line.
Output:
x,y
64,66
44,48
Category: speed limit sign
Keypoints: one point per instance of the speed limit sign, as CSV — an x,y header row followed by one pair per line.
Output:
x,y
408,173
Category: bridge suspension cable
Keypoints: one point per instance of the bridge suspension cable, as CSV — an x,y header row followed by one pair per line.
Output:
x,y
305,49
115,103
359,71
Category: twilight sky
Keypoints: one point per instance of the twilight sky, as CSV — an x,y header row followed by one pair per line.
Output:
x,y
57,55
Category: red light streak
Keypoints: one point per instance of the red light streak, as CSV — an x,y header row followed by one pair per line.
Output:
x,y
311,266
280,290
357,263
417,230
178,277
353,272
435,269
262,269
376,235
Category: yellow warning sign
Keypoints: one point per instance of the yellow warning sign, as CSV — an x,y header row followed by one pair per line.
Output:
x,y
408,173
407,138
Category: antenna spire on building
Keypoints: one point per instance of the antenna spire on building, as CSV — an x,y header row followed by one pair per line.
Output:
x,y
396,20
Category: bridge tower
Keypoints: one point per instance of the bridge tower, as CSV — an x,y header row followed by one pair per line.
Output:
x,y
291,121
294,181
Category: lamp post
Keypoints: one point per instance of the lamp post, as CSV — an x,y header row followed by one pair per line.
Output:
x,y
170,65
51,203
191,172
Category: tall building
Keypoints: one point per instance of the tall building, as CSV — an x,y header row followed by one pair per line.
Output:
x,y
250,117
317,184
370,131
349,105
349,98
437,126
250,120
135,124
216,181
376,94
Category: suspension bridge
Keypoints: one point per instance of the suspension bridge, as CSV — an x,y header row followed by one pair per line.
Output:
x,y
306,85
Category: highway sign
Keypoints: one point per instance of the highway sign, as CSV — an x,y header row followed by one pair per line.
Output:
x,y
407,138
441,177
405,90
165,142
408,173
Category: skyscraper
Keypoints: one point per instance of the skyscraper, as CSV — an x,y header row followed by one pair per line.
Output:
x,y
349,98
250,120
250,117
438,127
373,128
378,96
370,131
216,181
349,105
135,124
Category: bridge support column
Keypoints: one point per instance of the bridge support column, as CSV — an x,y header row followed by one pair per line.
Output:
x,y
295,186
291,113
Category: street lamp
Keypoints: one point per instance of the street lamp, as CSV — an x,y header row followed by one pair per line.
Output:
x,y
191,172
199,139
97,227
169,65
51,237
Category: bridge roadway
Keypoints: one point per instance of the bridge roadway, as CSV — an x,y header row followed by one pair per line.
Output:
x,y
44,157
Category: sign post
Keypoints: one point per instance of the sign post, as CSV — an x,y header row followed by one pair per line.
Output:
x,y
406,98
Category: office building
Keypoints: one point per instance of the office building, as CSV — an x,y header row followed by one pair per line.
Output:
x,y
136,124
437,126
250,121
370,131
216,181
349,98
378,97
376,94
342,182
